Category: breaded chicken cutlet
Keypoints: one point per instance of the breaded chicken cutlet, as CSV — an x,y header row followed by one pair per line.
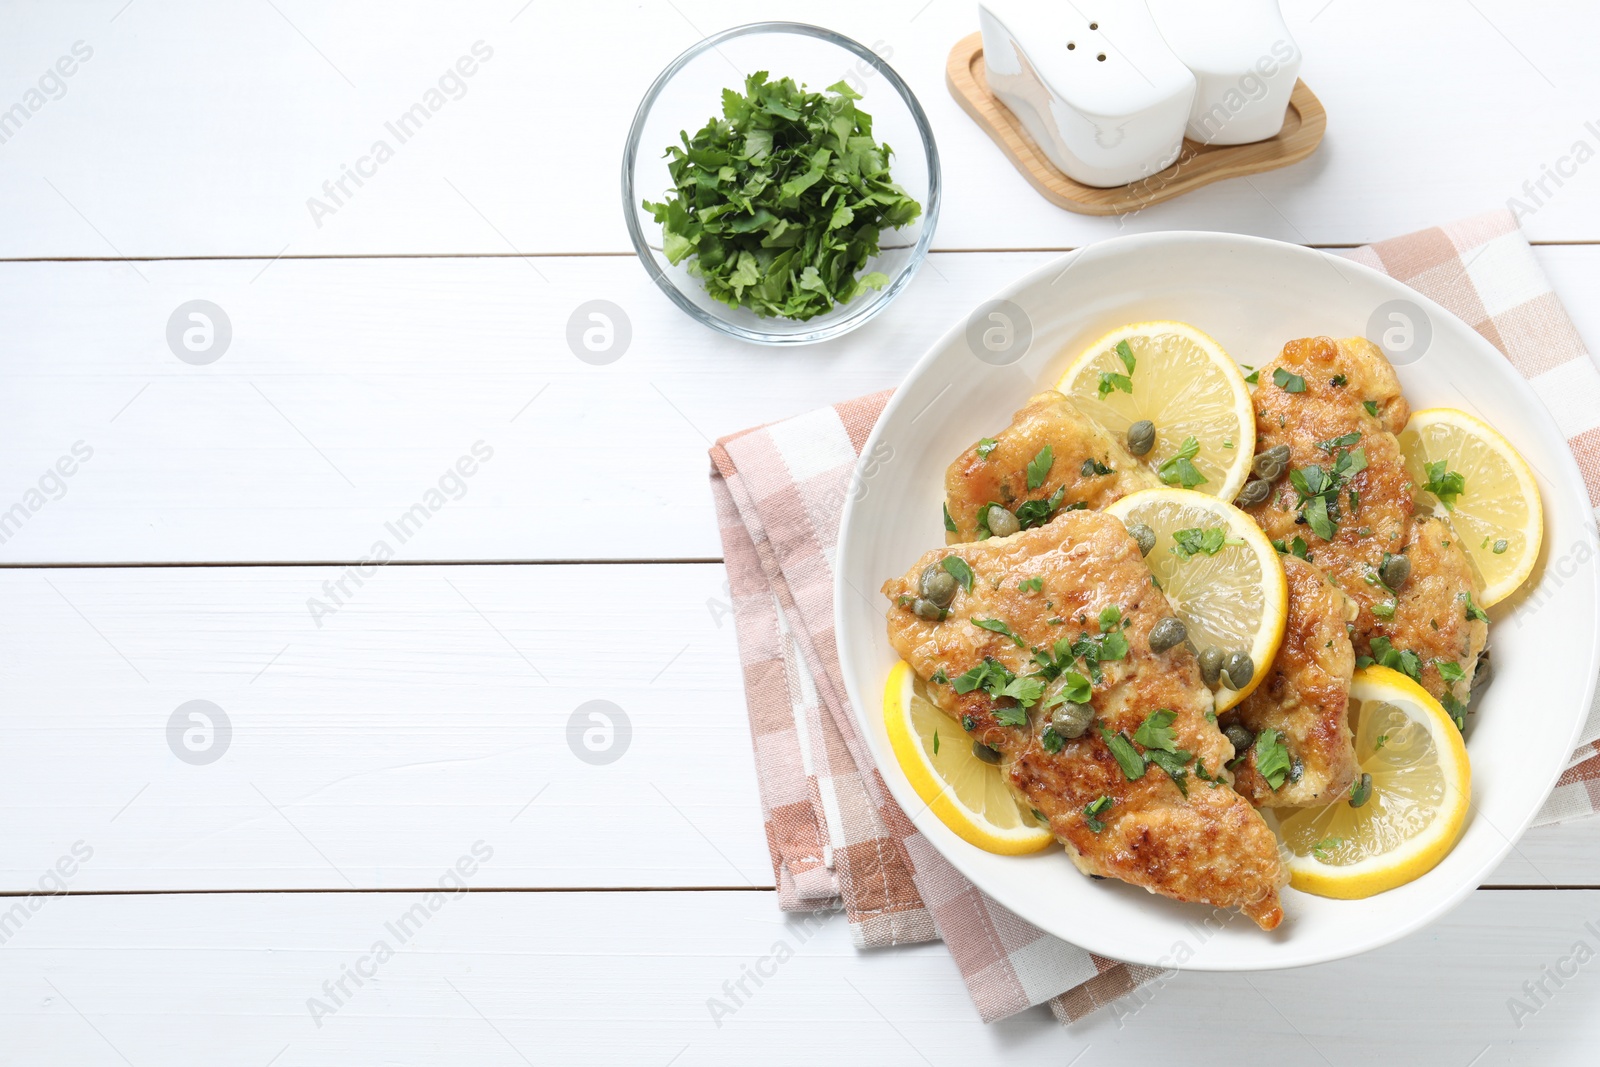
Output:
x,y
1051,459
1054,624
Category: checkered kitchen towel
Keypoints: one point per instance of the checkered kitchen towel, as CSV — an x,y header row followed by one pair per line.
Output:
x,y
836,836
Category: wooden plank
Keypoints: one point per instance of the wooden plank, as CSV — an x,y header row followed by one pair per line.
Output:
x,y
497,978
431,707
435,705
202,129
351,388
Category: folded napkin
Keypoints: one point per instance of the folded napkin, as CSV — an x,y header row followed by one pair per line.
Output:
x,y
837,838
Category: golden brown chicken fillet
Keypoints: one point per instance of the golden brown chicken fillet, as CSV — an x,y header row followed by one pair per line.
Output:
x,y
1304,699
1058,619
1346,503
1085,467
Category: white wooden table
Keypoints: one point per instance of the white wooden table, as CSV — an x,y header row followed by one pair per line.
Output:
x,y
418,719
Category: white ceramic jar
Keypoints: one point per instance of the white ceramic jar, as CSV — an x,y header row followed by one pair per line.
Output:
x,y
1095,85
1244,61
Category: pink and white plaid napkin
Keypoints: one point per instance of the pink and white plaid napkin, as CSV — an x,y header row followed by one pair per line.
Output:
x,y
836,836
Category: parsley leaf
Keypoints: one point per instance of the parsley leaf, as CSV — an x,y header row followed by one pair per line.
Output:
x,y
1371,406
1156,730
957,568
1039,466
1011,715
1289,383
1030,585
1092,812
1253,378
1125,354
1338,380
1175,764
1450,670
999,627
986,446
778,204
1110,381
1475,613
1033,513
1272,759
1077,690
1093,467
1110,615
1210,541
1052,741
1405,661
1178,470
949,523
1444,484
1122,750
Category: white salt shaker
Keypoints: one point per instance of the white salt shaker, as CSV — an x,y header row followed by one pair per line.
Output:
x,y
1095,84
1244,60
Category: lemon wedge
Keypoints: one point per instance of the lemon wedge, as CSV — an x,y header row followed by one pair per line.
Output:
x,y
1220,573
968,795
1496,514
1421,787
1182,381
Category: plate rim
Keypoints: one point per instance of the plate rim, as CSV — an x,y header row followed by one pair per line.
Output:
x,y
1566,479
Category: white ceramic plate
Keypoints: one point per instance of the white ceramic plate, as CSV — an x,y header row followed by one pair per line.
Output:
x,y
1252,295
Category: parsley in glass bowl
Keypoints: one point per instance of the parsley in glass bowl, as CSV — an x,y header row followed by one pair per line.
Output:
x,y
827,227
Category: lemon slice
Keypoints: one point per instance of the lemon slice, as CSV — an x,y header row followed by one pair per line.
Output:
x,y
1497,515
1421,788
1234,598
1185,384
967,794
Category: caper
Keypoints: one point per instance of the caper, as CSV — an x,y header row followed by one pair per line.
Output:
x,y
938,585
1167,633
927,609
1361,791
1145,536
1141,437
1255,491
1211,665
1238,669
1271,463
1395,571
1001,522
1239,736
985,753
1071,720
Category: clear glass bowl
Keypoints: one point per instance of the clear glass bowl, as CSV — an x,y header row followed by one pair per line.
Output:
x,y
689,92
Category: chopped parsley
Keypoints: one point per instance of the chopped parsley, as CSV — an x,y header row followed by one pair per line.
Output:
x,y
1456,709
1384,609
1371,406
1272,759
1297,547
1093,467
1011,714
1186,543
1030,585
936,742
1125,354
1450,670
1052,741
777,203
1322,848
1110,381
1156,730
957,568
1338,381
1039,466
1253,378
1475,613
1122,750
1385,654
1446,485
1318,487
1179,469
998,626
939,677
949,523
985,446
1289,383
1038,512
1092,812
1110,616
